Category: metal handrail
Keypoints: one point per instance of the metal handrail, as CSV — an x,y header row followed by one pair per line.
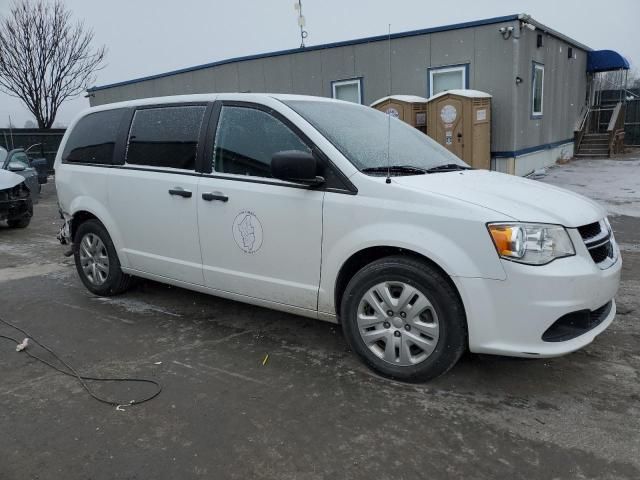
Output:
x,y
582,120
615,129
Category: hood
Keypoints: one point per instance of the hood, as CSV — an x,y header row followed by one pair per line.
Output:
x,y
9,179
519,198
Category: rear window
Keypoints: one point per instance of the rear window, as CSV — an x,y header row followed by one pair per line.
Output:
x,y
165,137
94,137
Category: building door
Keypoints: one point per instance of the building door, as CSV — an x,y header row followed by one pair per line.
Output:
x,y
450,126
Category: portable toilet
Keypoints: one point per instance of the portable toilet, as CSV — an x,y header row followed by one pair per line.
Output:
x,y
408,108
460,120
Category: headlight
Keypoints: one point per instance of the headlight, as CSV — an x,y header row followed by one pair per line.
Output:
x,y
531,243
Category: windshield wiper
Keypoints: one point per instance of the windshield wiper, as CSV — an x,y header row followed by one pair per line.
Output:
x,y
448,167
396,170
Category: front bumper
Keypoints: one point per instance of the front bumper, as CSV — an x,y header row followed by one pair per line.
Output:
x,y
14,208
509,317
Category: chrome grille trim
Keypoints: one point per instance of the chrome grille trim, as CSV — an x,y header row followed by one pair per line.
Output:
x,y
595,243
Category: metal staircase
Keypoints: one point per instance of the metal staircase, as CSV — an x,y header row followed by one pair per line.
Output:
x,y
593,145
599,131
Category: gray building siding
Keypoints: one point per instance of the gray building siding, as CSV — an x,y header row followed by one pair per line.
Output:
x,y
493,64
492,72
306,73
565,86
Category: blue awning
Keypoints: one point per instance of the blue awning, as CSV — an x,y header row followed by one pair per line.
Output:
x,y
605,61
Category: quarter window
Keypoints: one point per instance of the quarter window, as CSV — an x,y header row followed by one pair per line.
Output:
x,y
165,137
347,90
447,78
93,138
538,89
246,140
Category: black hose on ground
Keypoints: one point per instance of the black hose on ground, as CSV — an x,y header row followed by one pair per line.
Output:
x,y
72,372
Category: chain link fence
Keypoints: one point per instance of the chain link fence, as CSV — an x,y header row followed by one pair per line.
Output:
x,y
632,116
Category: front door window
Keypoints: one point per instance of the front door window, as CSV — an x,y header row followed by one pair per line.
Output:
x,y
247,139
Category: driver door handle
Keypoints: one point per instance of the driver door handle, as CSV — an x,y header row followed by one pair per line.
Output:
x,y
210,196
180,192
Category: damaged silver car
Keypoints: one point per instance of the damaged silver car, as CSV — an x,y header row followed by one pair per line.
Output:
x,y
16,203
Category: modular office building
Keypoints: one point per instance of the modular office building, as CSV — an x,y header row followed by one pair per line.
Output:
x,y
537,77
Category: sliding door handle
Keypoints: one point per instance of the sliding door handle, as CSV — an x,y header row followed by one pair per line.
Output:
x,y
210,196
180,192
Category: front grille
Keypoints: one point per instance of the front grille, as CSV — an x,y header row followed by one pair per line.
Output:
x,y
589,231
598,239
601,253
574,324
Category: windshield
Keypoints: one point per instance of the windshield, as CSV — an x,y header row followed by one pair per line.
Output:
x,y
3,156
360,133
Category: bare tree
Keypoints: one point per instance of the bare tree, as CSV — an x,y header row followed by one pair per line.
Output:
x,y
45,58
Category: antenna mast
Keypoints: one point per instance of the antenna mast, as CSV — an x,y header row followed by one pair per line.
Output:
x,y
388,180
11,133
301,22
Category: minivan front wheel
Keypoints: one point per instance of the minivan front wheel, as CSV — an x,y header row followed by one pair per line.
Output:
x,y
97,261
404,319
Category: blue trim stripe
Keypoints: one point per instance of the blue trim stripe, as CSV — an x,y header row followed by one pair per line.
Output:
x,y
377,38
524,151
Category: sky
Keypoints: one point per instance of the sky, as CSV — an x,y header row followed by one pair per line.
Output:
x,y
145,37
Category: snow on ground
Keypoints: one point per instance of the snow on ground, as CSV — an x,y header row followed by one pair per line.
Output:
x,y
614,183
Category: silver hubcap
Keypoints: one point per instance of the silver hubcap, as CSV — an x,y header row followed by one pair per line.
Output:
x,y
94,259
398,323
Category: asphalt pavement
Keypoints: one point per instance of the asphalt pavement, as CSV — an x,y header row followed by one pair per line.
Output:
x,y
312,410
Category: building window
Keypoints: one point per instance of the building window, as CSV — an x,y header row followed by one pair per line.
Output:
x,y
453,77
537,90
348,90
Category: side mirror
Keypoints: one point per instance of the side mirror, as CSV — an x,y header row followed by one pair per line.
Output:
x,y
295,166
16,167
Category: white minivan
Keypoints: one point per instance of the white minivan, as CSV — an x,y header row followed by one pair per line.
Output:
x,y
335,211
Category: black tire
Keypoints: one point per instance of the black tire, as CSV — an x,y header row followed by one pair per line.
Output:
x,y
22,222
116,282
25,220
451,320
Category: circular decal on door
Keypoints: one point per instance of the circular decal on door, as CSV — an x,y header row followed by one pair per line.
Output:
x,y
393,112
448,114
247,232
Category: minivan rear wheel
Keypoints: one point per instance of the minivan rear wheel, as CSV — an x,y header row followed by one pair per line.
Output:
x,y
97,261
404,319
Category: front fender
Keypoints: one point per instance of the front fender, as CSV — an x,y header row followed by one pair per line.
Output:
x,y
456,256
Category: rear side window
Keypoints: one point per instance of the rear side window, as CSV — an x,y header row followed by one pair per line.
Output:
x,y
93,138
165,137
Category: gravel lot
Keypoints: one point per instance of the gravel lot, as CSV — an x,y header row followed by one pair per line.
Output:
x,y
313,411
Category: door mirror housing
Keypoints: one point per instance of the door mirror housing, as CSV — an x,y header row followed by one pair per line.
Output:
x,y
16,167
296,166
